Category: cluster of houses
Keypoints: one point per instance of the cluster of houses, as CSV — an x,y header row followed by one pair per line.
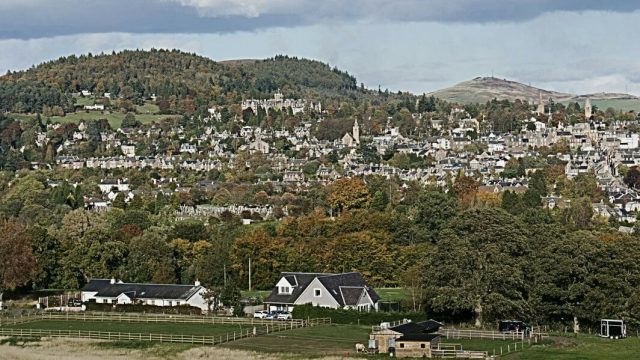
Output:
x,y
448,150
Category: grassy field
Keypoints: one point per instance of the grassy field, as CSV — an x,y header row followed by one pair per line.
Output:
x,y
340,339
616,104
308,342
583,348
115,119
145,114
136,327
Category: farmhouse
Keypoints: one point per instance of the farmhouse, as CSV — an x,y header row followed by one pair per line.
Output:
x,y
336,291
105,291
407,339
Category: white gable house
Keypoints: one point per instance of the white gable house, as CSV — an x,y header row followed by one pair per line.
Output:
x,y
336,291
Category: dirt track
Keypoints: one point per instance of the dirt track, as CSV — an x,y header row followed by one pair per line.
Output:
x,y
75,349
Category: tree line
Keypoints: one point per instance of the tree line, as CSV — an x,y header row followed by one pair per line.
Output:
x,y
469,255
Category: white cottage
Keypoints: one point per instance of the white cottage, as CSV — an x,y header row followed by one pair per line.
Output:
x,y
110,291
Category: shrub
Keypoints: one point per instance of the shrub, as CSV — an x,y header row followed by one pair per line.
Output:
x,y
140,308
341,316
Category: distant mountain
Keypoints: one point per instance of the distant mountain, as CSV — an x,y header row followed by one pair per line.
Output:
x,y
483,89
136,75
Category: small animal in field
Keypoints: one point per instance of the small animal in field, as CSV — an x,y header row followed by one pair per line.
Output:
x,y
360,348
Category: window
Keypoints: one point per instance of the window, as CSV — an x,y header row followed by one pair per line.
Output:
x,y
401,345
316,292
284,290
422,345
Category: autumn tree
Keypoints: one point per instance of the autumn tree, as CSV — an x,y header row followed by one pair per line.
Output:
x,y
348,193
365,252
17,263
465,188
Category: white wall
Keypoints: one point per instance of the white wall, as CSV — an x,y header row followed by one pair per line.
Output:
x,y
325,299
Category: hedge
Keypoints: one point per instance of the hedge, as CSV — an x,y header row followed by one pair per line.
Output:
x,y
140,308
341,316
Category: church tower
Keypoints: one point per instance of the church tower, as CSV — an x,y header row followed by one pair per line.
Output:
x,y
540,110
587,109
356,132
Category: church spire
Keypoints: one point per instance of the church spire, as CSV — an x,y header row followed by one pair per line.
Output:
x,y
356,132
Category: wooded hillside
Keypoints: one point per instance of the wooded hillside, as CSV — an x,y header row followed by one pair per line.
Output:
x,y
136,75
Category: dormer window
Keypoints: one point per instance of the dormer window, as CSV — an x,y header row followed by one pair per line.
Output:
x,y
284,290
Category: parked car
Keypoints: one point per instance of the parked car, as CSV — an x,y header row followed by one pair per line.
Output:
x,y
273,315
260,314
514,325
285,315
74,303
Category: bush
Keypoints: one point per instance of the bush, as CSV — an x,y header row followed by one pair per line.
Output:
x,y
140,308
340,316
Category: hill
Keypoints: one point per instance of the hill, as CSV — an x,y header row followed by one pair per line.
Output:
x,y
483,89
136,75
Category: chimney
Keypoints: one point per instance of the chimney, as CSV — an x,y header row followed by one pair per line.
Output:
x,y
197,283
113,281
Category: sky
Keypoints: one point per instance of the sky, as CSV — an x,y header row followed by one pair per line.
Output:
x,y
574,46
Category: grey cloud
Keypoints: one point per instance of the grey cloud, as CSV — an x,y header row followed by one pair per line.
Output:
x,y
45,18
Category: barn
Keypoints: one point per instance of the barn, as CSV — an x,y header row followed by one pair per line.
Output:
x,y
406,339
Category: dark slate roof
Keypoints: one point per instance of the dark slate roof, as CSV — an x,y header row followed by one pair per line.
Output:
x,y
301,279
146,291
351,295
423,327
417,337
95,284
430,325
333,283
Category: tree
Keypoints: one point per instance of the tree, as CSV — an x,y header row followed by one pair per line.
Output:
x,y
119,201
465,189
435,210
478,266
379,201
365,252
632,177
560,270
150,259
348,193
17,263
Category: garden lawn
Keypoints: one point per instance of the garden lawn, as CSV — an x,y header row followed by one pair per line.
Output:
x,y
138,327
393,294
308,342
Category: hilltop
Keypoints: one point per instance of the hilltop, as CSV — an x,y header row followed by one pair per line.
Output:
x,y
483,89
137,74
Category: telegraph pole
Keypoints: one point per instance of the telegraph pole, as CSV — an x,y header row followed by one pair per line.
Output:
x,y
249,273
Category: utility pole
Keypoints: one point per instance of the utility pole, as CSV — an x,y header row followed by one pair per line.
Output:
x,y
249,273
